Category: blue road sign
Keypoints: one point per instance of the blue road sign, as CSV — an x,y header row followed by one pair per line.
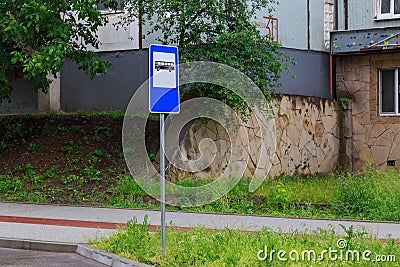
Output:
x,y
164,79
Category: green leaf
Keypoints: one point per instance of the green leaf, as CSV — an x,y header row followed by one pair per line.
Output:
x,y
40,33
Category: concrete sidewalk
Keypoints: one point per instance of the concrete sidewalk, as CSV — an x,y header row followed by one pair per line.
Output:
x,y
72,224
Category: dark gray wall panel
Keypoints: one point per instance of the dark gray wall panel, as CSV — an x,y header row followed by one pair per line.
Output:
x,y
105,92
311,71
23,99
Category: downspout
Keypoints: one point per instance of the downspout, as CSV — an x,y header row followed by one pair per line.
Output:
x,y
331,75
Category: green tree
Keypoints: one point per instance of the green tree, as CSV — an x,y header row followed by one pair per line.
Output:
x,y
36,35
219,31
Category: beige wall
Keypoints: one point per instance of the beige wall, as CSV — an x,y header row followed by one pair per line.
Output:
x,y
376,139
50,101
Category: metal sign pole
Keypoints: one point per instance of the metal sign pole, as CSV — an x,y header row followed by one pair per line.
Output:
x,y
162,184
163,99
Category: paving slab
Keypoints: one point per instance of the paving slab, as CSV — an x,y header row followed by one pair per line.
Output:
x,y
50,233
176,219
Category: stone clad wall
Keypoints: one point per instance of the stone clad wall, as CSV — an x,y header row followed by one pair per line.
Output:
x,y
308,136
376,139
303,137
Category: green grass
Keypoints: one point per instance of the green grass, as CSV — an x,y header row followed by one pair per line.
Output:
x,y
368,195
203,247
304,189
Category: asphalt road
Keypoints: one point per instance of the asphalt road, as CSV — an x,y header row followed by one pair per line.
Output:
x,y
30,258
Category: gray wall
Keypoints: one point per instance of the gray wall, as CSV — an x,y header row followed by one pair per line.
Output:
x,y
130,69
298,21
23,99
105,92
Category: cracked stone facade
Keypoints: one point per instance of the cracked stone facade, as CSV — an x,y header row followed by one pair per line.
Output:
x,y
375,138
303,137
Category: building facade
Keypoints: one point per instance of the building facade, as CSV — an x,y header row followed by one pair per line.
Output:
x,y
367,77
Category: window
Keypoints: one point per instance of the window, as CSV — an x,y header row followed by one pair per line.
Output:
x,y
104,9
388,9
389,92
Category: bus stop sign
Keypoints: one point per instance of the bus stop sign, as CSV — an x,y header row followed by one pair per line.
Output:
x,y
164,79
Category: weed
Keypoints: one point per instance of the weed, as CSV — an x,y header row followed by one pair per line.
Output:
x,y
36,197
33,147
62,129
281,195
47,130
52,172
344,101
76,129
75,160
95,156
3,146
70,148
14,131
9,184
17,170
128,186
53,115
98,153
29,172
37,179
91,173
72,179
105,130
152,157
352,233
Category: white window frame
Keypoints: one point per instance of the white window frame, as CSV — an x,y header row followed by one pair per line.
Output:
x,y
396,93
382,16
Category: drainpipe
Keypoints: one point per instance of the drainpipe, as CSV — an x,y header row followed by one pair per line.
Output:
x,y
331,75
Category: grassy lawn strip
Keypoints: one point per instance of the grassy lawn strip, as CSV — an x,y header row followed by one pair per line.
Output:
x,y
368,195
202,247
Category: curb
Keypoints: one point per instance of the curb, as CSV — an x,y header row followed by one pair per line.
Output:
x,y
106,258
38,245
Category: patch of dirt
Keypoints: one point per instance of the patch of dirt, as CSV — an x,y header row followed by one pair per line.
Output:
x,y
64,157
